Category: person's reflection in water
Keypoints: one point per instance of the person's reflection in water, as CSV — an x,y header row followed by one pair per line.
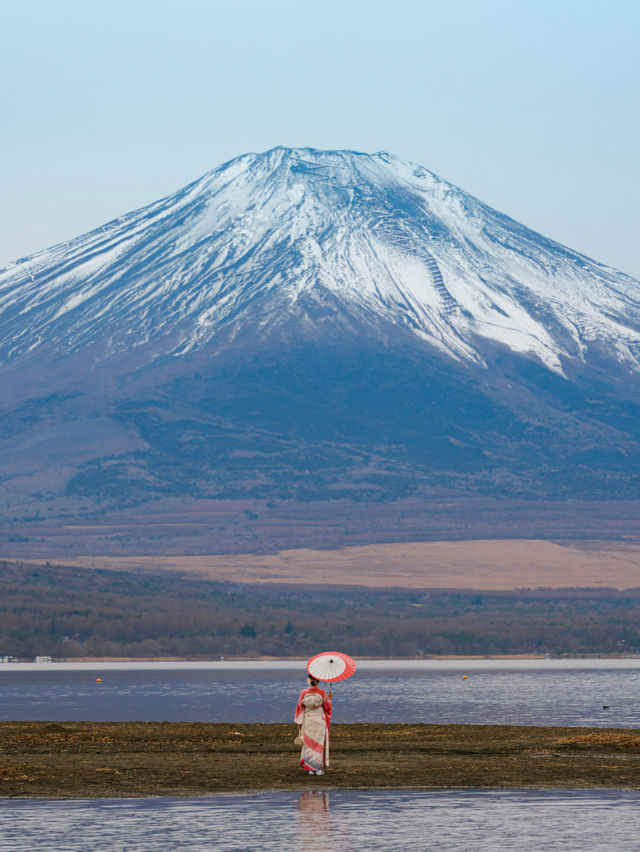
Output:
x,y
313,814
315,825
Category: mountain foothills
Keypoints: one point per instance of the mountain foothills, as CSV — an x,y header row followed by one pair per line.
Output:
x,y
325,326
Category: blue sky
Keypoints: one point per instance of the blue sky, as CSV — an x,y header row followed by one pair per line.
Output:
x,y
534,107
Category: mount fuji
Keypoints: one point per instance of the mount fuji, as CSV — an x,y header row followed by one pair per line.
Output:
x,y
311,325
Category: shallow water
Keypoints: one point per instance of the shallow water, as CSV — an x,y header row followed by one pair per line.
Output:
x,y
341,821
584,693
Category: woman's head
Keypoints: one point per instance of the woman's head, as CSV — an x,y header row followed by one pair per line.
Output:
x,y
312,681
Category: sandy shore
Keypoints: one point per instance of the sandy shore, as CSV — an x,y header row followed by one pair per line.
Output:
x,y
124,759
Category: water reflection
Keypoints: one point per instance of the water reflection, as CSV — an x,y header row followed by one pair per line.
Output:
x,y
314,826
385,820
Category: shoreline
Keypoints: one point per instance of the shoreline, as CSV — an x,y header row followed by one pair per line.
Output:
x,y
91,760
467,664
265,658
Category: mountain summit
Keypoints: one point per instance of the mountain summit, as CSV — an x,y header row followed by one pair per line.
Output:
x,y
363,243
307,325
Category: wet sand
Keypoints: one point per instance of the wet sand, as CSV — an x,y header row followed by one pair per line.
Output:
x,y
129,759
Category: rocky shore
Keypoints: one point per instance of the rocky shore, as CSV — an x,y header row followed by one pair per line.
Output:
x,y
126,759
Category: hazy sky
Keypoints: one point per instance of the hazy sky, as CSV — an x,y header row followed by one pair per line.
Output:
x,y
531,105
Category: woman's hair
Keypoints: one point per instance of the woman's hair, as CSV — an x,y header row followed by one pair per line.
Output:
x,y
314,680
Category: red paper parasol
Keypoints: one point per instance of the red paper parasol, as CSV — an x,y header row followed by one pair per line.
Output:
x,y
331,666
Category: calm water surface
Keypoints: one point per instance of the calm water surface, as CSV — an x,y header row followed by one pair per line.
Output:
x,y
336,821
529,692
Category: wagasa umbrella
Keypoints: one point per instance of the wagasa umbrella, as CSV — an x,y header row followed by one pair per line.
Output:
x,y
331,666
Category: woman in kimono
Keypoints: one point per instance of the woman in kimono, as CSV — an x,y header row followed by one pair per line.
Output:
x,y
313,717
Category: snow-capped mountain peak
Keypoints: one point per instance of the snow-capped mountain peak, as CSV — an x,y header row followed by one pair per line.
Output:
x,y
271,239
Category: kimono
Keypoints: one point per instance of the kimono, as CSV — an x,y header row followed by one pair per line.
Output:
x,y
313,714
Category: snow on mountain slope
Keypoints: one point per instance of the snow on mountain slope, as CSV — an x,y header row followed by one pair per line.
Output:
x,y
292,233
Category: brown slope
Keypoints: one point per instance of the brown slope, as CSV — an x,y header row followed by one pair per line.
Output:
x,y
486,564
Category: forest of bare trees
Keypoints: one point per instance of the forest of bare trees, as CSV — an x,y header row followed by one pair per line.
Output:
x,y
69,613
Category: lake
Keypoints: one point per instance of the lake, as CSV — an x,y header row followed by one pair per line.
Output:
x,y
602,693
340,821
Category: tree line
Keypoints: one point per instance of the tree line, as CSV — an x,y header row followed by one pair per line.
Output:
x,y
70,612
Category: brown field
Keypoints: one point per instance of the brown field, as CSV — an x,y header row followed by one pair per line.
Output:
x,y
115,759
483,565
